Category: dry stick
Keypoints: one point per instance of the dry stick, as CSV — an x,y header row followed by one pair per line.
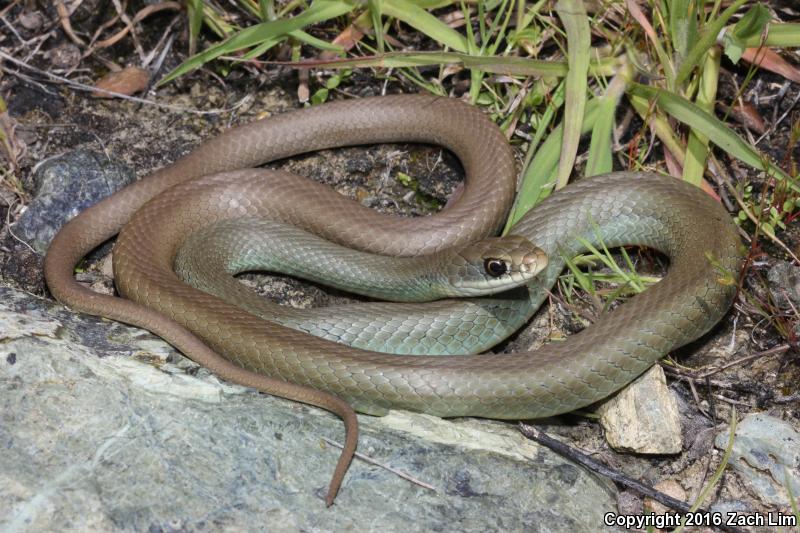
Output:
x,y
731,401
777,350
787,399
690,377
63,16
696,397
88,88
8,8
774,125
141,15
581,458
371,461
12,29
712,407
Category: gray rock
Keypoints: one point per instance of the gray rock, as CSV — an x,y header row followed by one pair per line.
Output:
x,y
766,454
643,417
105,427
67,185
784,284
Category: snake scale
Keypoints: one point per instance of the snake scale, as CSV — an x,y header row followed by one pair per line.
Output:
x,y
681,221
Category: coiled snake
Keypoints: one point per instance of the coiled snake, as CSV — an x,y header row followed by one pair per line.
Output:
x,y
693,230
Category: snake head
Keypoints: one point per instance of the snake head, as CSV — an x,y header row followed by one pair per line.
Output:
x,y
493,265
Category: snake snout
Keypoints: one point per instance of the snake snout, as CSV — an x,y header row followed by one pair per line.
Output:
x,y
533,262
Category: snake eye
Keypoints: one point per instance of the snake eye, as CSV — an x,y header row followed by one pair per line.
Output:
x,y
495,267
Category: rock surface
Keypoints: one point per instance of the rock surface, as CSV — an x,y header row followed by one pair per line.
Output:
x,y
105,427
67,185
766,453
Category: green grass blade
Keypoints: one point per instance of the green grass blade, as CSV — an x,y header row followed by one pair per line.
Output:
x,y
511,66
421,20
600,149
713,128
195,9
779,35
694,163
576,23
299,35
376,15
542,123
319,11
538,179
683,25
706,41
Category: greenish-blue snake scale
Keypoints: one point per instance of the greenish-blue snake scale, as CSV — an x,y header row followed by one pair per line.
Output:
x,y
215,182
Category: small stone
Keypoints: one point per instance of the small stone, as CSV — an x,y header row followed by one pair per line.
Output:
x,y
670,487
31,20
64,56
643,417
629,503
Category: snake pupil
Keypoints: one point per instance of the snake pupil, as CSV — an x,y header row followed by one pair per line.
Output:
x,y
495,267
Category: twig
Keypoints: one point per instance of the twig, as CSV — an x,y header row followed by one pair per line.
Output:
x,y
729,400
712,407
8,8
777,350
787,399
386,467
129,24
11,232
775,123
88,88
581,458
13,29
63,16
696,397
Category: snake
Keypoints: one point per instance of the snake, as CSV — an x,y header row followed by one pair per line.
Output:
x,y
210,258
217,182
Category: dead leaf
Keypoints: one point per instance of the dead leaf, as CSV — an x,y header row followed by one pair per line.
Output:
x,y
128,81
767,59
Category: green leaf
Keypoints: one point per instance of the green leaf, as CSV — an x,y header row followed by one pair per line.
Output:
x,y
320,96
706,41
573,16
751,26
713,128
195,9
263,33
683,25
694,162
600,150
779,35
375,13
421,20
539,176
